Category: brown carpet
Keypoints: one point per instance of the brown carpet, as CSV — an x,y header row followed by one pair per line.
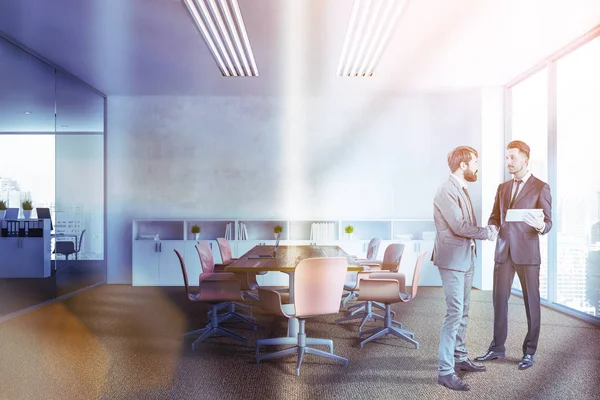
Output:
x,y
122,342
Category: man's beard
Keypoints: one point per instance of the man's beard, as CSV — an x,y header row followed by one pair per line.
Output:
x,y
470,176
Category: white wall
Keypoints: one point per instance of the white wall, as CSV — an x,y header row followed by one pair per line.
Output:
x,y
343,157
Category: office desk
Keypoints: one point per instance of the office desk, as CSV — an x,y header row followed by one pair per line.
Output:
x,y
286,259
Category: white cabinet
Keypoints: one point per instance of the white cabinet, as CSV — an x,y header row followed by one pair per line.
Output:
x,y
27,256
23,257
156,264
356,248
145,263
169,267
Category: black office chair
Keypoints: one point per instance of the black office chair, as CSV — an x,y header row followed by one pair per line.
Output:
x,y
67,247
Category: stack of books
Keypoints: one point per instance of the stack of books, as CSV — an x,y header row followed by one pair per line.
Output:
x,y
322,231
229,231
242,232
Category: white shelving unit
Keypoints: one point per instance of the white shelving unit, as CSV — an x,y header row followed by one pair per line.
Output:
x,y
155,262
23,253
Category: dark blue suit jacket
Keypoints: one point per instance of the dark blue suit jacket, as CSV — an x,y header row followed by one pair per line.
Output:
x,y
522,239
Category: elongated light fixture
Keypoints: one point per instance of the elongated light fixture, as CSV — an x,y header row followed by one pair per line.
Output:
x,y
221,24
369,30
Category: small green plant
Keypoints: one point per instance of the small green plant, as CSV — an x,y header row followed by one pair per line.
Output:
x,y
349,229
27,205
277,229
2,205
195,228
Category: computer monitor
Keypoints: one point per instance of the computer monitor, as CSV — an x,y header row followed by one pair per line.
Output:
x,y
44,213
11,214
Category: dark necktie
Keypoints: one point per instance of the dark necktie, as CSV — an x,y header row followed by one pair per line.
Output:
x,y
512,201
471,211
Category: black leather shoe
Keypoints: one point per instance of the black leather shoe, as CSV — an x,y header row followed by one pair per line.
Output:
x,y
468,366
452,381
491,355
527,361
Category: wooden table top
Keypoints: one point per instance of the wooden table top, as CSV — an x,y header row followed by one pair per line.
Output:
x,y
287,258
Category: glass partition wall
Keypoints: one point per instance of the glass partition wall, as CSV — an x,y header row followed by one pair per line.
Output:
x,y
52,153
554,108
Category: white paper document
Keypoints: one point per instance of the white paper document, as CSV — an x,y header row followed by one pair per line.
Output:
x,y
517,214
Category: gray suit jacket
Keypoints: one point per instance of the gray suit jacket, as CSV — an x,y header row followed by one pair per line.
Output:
x,y
454,229
522,239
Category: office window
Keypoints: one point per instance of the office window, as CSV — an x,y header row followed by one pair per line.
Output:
x,y
27,170
79,191
577,205
529,123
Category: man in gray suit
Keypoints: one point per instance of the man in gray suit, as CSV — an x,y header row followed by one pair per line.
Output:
x,y
453,253
518,250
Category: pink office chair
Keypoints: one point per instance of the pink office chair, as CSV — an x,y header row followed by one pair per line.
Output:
x,y
215,292
247,279
352,278
318,285
389,288
391,263
208,274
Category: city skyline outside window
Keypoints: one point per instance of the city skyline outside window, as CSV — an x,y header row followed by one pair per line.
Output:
x,y
27,170
529,105
578,187
64,173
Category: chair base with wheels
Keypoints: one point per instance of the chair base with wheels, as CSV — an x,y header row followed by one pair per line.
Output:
x,y
213,329
388,329
300,349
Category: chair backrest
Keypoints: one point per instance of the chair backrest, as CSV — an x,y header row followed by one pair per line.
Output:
x,y
373,249
80,241
224,249
318,285
417,274
392,257
206,257
44,213
184,272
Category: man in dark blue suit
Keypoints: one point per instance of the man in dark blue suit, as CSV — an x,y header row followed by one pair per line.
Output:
x,y
518,250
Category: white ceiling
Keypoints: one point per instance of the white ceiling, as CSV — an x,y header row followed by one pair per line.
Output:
x,y
133,47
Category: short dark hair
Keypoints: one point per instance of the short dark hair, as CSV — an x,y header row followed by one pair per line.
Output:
x,y
522,146
460,154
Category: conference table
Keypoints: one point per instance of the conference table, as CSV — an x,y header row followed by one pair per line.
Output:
x,y
285,260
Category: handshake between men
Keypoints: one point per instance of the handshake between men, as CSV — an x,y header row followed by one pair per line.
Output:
x,y
492,232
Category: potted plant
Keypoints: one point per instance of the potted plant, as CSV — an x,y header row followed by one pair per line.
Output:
x,y
349,229
277,229
2,209
196,231
27,206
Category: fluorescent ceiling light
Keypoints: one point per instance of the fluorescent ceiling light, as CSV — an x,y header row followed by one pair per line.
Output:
x,y
221,24
370,28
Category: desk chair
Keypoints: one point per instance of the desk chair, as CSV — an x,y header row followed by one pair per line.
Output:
x,y
391,263
208,274
214,292
352,278
67,247
318,285
248,280
389,288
